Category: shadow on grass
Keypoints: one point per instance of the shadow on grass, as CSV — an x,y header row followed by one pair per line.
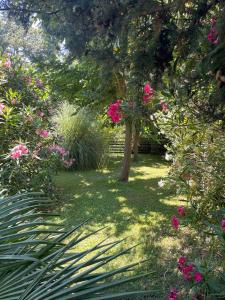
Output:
x,y
139,210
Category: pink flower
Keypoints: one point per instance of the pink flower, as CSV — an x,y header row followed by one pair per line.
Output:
x,y
14,101
198,277
41,114
18,151
164,106
181,211
42,132
61,150
68,163
146,98
7,64
114,111
213,33
175,222
148,93
187,270
147,88
182,260
16,154
223,225
173,294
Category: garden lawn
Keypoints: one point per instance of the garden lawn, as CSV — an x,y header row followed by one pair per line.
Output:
x,y
139,211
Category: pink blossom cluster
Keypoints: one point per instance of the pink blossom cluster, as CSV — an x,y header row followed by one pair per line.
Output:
x,y
164,106
42,132
114,111
59,149
14,101
7,64
18,151
68,163
41,114
188,270
63,153
148,93
213,33
175,221
173,294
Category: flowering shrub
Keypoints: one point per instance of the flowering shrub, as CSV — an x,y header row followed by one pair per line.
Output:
x,y
198,164
203,280
26,132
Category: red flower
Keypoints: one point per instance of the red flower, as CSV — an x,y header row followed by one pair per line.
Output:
x,y
147,89
182,260
148,93
181,211
213,33
175,222
198,277
114,111
7,64
187,271
173,294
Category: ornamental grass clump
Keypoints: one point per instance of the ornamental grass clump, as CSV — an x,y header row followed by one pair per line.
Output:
x,y
86,141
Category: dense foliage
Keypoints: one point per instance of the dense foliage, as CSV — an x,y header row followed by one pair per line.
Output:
x,y
27,161
198,162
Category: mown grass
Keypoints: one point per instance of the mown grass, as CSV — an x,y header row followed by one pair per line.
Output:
x,y
139,211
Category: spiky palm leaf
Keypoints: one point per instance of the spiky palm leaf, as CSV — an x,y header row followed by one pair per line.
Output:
x,y
39,260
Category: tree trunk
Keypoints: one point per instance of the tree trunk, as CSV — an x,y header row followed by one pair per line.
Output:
x,y
136,141
124,176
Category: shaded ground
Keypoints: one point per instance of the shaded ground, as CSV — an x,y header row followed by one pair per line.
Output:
x,y
138,210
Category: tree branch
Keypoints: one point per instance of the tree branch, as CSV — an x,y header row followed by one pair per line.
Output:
x,y
16,9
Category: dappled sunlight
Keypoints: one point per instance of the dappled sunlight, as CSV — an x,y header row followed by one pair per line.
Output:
x,y
139,211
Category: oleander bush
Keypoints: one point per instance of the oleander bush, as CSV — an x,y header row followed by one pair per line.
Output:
x,y
27,157
198,162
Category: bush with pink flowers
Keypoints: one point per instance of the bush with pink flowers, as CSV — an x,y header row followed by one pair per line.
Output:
x,y
203,278
27,158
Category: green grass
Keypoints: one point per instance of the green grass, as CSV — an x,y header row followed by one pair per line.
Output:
x,y
139,211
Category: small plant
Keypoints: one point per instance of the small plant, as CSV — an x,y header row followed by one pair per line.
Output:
x,y
40,260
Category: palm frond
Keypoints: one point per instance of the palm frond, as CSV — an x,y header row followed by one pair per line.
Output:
x,y
40,260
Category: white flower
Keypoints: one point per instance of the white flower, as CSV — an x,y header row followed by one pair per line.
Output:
x,y
168,156
161,183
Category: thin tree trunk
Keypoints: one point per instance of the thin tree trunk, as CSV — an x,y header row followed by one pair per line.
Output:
x,y
136,141
124,176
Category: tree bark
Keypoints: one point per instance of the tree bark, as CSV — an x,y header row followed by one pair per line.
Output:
x,y
124,176
136,141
